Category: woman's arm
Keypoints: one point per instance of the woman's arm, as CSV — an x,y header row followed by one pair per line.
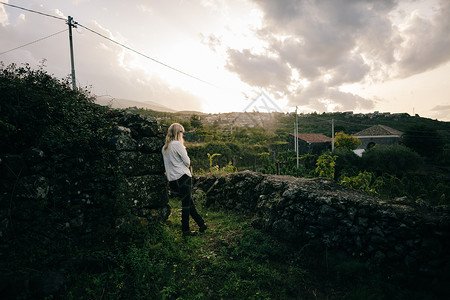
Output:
x,y
181,150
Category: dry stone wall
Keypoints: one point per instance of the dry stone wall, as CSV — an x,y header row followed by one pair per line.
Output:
x,y
321,211
31,190
138,143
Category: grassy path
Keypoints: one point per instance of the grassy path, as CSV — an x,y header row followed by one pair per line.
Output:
x,y
231,260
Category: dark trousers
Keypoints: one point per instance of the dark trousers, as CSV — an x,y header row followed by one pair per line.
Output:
x,y
182,189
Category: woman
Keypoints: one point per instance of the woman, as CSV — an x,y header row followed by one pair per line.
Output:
x,y
176,163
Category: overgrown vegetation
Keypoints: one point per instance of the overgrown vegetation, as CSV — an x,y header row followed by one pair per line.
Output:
x,y
38,111
142,260
418,168
231,260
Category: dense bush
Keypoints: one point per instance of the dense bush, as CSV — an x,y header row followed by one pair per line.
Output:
x,y
325,166
362,182
199,154
38,111
41,111
433,190
391,171
396,160
346,142
347,163
285,163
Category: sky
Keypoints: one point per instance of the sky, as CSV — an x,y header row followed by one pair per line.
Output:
x,y
219,55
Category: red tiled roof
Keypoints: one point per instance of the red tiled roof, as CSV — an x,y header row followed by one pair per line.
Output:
x,y
378,130
313,138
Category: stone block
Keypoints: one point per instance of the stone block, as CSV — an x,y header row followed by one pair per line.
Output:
x,y
149,191
123,141
147,130
151,144
34,156
141,126
32,187
138,164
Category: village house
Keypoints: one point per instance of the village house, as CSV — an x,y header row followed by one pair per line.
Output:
x,y
309,143
378,135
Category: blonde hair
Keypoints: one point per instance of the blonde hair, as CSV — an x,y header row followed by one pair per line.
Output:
x,y
174,133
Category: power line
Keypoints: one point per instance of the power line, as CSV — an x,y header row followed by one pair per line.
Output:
x,y
144,55
33,11
41,39
111,40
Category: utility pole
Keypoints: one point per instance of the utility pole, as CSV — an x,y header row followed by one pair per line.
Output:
x,y
70,23
296,135
332,135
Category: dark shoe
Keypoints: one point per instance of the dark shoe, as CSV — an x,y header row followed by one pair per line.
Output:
x,y
203,228
189,233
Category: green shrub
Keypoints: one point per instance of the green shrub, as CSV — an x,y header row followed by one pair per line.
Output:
x,y
362,182
346,142
229,168
432,188
347,163
388,186
326,166
199,153
40,111
396,159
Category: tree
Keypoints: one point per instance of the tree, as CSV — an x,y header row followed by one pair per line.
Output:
x,y
347,163
326,166
346,142
394,159
196,122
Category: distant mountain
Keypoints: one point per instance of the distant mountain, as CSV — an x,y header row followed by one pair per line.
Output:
x,y
191,112
125,103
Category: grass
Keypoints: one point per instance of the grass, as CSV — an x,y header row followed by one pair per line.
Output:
x,y
231,260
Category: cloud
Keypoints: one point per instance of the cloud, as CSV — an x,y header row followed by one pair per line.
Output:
x,y
258,70
212,41
427,42
331,43
305,52
145,9
80,1
319,96
441,112
100,65
351,69
441,107
3,15
126,73
23,30
322,41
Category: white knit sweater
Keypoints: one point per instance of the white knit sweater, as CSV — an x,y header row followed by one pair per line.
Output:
x,y
176,161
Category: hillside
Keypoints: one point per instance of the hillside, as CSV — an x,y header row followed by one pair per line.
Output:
x,y
281,124
126,103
